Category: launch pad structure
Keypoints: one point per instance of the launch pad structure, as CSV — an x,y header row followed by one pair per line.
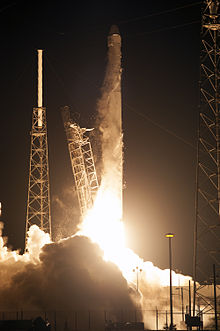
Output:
x,y
38,201
81,157
207,218
82,161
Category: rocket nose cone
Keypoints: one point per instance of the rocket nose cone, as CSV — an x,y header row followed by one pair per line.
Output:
x,y
114,30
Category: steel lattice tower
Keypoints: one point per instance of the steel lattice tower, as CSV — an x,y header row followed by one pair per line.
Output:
x,y
207,224
82,162
38,202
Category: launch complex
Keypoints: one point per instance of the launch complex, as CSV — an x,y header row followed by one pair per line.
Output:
x,y
207,204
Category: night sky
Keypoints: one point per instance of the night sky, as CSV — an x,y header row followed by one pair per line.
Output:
x,y
160,60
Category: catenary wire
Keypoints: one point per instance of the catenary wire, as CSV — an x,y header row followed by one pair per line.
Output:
x,y
164,29
147,117
159,13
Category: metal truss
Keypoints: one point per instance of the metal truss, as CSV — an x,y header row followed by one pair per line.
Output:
x,y
38,204
82,162
207,223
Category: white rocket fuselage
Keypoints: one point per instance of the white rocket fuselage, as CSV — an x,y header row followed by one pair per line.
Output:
x,y
115,103
110,112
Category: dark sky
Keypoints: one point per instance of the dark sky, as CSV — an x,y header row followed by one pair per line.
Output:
x,y
160,59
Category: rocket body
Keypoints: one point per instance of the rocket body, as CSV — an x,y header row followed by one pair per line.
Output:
x,y
110,114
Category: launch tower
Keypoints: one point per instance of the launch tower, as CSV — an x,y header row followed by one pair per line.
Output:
x,y
82,162
207,223
38,202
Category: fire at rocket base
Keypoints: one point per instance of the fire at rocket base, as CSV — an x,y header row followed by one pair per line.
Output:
x,y
110,118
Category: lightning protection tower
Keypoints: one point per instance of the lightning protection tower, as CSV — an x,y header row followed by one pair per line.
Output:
x,y
207,223
82,162
38,202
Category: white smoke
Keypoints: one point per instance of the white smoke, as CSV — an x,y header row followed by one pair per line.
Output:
x,y
35,241
68,275
72,274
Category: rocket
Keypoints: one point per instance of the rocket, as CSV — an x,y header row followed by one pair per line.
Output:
x,y
110,114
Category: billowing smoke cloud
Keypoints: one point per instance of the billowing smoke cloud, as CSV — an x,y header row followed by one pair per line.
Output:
x,y
71,275
68,275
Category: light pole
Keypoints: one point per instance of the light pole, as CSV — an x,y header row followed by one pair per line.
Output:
x,y
170,236
137,269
